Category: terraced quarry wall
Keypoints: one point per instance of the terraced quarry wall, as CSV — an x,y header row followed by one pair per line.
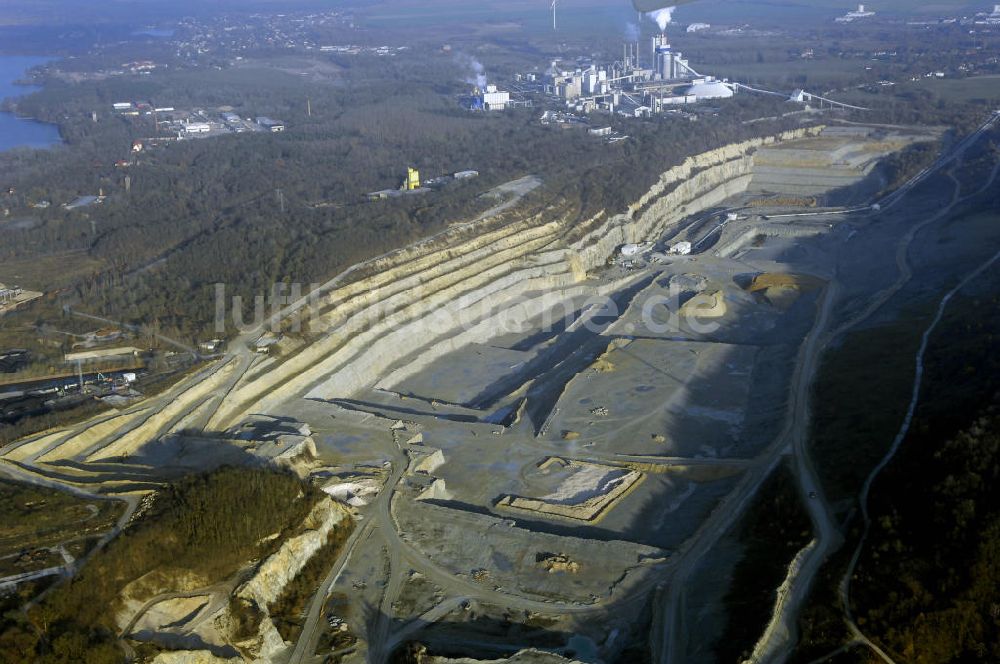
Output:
x,y
699,183
425,303
419,303
819,165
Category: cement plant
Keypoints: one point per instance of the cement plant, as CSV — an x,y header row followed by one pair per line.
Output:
x,y
573,348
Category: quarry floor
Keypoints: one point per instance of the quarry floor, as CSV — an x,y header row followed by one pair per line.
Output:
x,y
690,403
541,488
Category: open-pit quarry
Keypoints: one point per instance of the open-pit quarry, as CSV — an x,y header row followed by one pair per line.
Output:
x,y
532,428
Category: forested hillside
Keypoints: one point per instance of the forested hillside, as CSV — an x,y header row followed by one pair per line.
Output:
x,y
206,211
206,527
926,586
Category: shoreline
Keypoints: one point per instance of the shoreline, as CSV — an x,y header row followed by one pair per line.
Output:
x,y
41,135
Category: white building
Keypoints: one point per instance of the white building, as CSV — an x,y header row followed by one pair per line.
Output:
x,y
860,12
197,128
494,99
708,88
992,18
274,126
676,100
569,86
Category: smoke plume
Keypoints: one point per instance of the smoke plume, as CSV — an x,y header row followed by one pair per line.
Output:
x,y
477,74
662,17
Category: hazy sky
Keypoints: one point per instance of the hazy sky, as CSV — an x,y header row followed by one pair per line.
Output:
x,y
81,12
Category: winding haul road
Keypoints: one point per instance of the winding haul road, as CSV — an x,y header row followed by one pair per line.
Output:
x,y
775,644
668,629
402,557
670,633
844,588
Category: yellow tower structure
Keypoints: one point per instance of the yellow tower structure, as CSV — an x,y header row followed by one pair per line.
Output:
x,y
412,179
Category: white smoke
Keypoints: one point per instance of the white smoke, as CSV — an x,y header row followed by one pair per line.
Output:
x,y
477,76
480,74
662,17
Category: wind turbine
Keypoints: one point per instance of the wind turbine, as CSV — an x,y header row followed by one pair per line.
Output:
x,y
554,3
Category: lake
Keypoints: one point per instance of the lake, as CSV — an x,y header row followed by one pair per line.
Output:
x,y
18,132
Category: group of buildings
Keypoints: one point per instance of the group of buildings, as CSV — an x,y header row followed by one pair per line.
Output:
x,y
982,18
412,184
640,84
10,294
859,13
12,297
197,123
488,97
992,18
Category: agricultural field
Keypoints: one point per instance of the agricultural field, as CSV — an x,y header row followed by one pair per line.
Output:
x,y
959,89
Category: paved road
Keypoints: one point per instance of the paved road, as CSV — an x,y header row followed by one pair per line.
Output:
x,y
794,437
827,537
429,617
306,644
404,556
844,588
516,189
11,582
401,551
779,634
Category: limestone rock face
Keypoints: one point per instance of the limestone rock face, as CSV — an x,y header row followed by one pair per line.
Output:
x,y
437,490
700,182
275,572
430,463
271,578
264,647
448,294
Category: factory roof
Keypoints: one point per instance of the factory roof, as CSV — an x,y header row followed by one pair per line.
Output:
x,y
709,90
102,354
